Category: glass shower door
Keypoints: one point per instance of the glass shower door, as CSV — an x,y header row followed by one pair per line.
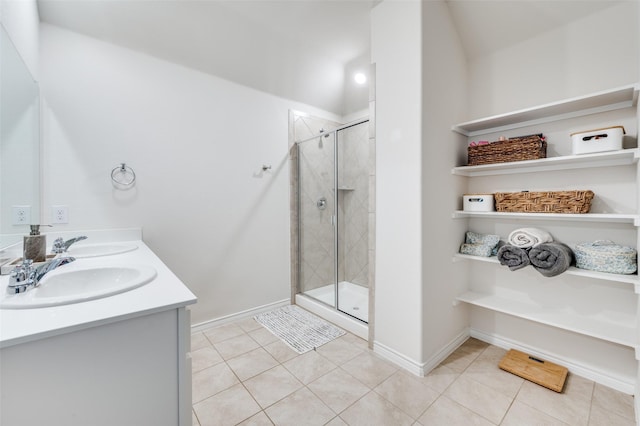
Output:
x,y
317,220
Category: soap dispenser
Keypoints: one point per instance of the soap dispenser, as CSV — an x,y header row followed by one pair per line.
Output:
x,y
35,245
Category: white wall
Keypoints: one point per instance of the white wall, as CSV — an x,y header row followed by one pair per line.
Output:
x,y
396,51
597,52
444,99
197,144
20,19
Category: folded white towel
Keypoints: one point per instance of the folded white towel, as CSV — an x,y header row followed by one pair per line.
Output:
x,y
529,237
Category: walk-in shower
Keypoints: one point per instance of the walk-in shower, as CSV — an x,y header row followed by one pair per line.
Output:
x,y
333,191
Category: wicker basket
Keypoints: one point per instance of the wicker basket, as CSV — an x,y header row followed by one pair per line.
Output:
x,y
544,202
516,149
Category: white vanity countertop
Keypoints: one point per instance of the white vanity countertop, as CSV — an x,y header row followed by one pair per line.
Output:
x,y
165,292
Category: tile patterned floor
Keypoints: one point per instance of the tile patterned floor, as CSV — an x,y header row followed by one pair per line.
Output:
x,y
243,375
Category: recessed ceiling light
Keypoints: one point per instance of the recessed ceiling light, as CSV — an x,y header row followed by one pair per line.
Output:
x,y
360,78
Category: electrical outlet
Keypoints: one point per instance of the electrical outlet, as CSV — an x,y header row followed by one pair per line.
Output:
x,y
20,215
59,214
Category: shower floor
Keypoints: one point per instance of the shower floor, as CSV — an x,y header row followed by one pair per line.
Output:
x,y
353,299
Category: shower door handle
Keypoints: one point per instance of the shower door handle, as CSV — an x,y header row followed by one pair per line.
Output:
x,y
333,220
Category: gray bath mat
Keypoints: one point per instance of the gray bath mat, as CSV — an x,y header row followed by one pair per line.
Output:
x,y
299,329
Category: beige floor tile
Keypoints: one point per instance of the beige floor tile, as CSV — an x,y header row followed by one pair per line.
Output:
x,y
474,345
613,401
355,340
263,336
252,363
228,407
337,421
374,410
408,393
204,358
272,385
231,348
369,369
281,351
578,387
194,419
479,398
309,366
338,389
522,415
199,341
449,413
570,407
485,370
212,380
506,383
300,408
248,324
601,417
259,419
340,351
223,332
440,378
461,358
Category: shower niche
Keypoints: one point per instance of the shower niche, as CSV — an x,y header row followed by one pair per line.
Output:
x,y
332,187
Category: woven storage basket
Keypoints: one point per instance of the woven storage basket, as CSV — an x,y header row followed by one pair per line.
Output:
x,y
544,202
516,149
606,256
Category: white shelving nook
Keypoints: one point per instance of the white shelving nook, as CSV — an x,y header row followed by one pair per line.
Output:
x,y
593,308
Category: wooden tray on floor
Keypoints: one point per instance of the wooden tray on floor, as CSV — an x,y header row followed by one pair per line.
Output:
x,y
541,372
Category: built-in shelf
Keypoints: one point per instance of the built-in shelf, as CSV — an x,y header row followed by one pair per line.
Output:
x,y
633,219
609,100
601,159
613,327
629,279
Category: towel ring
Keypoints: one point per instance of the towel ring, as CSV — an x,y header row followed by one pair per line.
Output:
x,y
123,175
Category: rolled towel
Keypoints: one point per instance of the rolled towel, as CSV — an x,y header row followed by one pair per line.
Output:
x,y
551,259
529,237
513,257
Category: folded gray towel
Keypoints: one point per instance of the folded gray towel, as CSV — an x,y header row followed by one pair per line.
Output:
x,y
513,257
551,259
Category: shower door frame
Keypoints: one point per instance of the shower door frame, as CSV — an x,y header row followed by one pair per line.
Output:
x,y
335,219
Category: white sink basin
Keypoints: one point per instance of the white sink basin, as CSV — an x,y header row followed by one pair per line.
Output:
x,y
96,250
69,284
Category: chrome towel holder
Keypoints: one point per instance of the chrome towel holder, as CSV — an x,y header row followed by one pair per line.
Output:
x,y
123,175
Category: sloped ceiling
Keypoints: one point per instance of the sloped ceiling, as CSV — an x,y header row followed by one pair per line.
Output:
x,y
297,49
294,49
485,26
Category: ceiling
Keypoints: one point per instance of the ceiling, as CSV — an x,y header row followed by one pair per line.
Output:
x,y
296,49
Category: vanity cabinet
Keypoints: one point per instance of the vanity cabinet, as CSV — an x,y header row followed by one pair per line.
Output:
x,y
589,319
127,373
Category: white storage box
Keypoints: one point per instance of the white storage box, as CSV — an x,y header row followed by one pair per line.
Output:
x,y
597,140
478,203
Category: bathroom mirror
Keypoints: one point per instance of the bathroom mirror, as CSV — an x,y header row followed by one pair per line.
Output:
x,y
19,142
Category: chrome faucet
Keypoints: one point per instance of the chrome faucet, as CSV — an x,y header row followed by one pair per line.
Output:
x,y
61,246
25,276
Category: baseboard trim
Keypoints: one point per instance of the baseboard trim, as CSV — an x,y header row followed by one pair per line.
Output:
x,y
238,315
420,368
588,372
398,359
443,353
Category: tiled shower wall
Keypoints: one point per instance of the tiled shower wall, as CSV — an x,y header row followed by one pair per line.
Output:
x,y
315,180
353,204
